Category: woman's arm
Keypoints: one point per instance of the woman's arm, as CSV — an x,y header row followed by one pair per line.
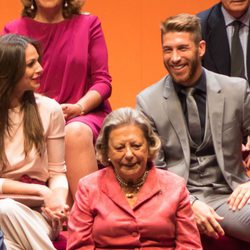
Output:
x,y
90,101
57,182
187,234
101,88
99,75
16,187
55,207
98,61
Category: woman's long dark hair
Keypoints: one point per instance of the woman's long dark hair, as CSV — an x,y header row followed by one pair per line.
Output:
x,y
12,68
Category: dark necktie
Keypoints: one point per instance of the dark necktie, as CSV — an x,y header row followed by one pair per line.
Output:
x,y
237,57
194,124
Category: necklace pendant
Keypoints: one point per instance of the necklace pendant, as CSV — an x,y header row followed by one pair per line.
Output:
x,y
129,196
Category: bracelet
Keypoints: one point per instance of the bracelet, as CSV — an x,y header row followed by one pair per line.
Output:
x,y
81,108
193,199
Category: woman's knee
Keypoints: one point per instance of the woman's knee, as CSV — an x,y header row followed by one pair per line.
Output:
x,y
78,132
7,207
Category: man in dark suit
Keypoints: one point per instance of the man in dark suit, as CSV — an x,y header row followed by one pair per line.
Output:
x,y
217,31
205,150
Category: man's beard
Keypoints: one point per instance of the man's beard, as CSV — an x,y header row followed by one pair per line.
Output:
x,y
194,65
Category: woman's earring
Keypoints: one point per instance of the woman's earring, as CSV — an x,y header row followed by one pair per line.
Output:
x,y
109,160
66,4
32,7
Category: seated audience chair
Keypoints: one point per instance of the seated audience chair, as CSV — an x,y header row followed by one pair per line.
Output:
x,y
225,242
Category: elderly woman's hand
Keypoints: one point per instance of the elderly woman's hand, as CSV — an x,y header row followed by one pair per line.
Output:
x,y
56,217
55,209
207,219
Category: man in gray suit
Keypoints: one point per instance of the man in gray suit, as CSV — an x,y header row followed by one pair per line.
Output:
x,y
209,156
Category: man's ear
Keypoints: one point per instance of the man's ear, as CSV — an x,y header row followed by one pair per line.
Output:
x,y
202,48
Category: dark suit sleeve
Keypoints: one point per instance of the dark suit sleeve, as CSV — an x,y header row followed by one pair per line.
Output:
x,y
141,105
203,20
246,112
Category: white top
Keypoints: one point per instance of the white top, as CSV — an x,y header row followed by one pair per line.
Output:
x,y
51,166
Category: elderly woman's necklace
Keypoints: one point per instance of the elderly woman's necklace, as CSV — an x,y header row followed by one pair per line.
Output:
x,y
130,188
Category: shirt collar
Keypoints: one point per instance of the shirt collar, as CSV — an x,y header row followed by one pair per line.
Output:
x,y
200,85
229,19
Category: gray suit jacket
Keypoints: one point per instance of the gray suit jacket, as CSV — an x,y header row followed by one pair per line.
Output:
x,y
228,101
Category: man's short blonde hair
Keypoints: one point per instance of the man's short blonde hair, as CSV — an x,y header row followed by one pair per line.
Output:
x,y
183,23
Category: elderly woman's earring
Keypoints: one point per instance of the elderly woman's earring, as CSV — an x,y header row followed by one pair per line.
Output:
x,y
109,160
32,7
66,4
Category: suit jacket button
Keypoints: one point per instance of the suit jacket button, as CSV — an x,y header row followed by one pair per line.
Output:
x,y
134,234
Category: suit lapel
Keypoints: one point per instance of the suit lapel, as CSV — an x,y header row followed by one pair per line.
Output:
x,y
113,190
217,45
215,101
176,117
149,189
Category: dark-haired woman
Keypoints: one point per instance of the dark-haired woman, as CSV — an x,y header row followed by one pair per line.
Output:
x,y
75,73
31,151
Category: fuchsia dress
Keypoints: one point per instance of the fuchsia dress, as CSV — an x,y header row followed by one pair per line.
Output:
x,y
74,60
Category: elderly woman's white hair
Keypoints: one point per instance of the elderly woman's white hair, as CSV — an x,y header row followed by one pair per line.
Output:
x,y
121,117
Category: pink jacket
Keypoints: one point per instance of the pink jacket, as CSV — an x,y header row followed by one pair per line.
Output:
x,y
162,218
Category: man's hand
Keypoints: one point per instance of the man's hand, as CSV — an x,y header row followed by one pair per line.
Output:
x,y
207,219
240,196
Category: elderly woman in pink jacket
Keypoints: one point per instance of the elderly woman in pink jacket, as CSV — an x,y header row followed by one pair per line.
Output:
x,y
131,203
